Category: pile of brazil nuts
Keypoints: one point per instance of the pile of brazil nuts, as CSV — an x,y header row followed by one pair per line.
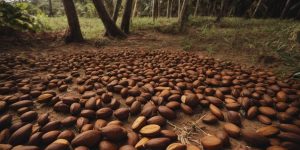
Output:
x,y
129,99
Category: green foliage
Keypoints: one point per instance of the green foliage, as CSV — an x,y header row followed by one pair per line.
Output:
x,y
28,8
18,17
87,9
57,7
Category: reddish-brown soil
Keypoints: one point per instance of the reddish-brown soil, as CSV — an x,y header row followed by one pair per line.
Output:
x,y
58,55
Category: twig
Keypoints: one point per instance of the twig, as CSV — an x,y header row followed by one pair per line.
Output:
x,y
195,141
198,128
174,126
200,118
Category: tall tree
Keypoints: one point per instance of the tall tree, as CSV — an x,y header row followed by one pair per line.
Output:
x,y
125,24
196,8
179,8
110,26
50,8
285,9
75,33
257,7
135,8
116,10
221,10
154,9
158,8
184,15
168,8
171,9
115,13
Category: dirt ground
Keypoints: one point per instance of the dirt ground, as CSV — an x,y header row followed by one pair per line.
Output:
x,y
139,42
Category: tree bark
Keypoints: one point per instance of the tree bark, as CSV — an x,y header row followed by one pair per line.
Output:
x,y
135,12
115,14
154,9
116,10
285,9
179,8
185,12
196,8
171,9
110,26
50,8
74,27
214,7
125,24
158,8
221,11
168,9
256,8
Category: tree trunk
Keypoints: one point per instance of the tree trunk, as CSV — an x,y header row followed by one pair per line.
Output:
x,y
154,9
50,8
179,8
74,27
115,14
256,8
116,10
185,12
196,8
285,9
134,13
214,7
221,11
168,9
171,9
110,26
158,8
125,24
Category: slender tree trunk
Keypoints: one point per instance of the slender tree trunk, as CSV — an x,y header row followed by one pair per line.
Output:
x,y
196,8
115,14
171,9
221,11
116,10
134,13
256,8
109,24
158,8
179,8
214,7
285,9
168,9
74,27
125,24
50,8
185,12
154,9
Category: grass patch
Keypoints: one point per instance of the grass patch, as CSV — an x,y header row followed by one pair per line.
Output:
x,y
249,40
92,28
